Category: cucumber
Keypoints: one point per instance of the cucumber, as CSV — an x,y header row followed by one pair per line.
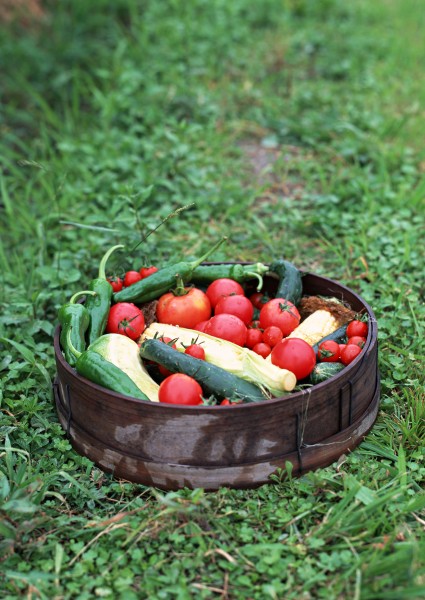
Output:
x,y
215,381
337,336
324,370
290,284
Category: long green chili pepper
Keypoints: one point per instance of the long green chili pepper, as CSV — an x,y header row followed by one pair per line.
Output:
x,y
98,306
93,365
74,317
162,281
240,273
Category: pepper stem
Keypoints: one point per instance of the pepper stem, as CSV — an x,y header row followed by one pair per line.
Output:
x,y
196,263
256,276
70,345
102,264
81,293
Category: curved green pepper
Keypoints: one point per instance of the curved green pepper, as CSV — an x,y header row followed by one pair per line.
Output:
x,y
98,305
74,318
162,281
240,273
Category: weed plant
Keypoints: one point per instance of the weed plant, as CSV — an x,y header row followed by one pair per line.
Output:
x,y
115,114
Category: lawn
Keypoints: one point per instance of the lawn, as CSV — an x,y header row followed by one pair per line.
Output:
x,y
307,119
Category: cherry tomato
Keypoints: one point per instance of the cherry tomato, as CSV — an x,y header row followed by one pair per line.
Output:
x,y
341,348
294,355
223,287
146,271
259,299
357,328
350,352
227,402
235,304
180,389
272,335
195,350
358,340
282,313
131,277
227,327
116,283
186,310
329,351
253,336
127,319
262,349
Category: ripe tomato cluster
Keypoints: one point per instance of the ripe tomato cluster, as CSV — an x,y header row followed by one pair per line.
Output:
x,y
130,278
331,351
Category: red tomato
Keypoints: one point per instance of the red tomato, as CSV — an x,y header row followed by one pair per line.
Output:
x,y
255,324
253,336
235,304
223,287
125,318
201,326
146,271
357,328
258,299
186,310
227,402
294,355
131,277
116,283
262,349
227,327
329,351
350,352
167,340
195,350
180,389
341,348
272,335
282,313
357,340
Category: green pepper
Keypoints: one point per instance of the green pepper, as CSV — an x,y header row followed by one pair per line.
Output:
x,y
74,317
98,305
162,281
205,274
99,364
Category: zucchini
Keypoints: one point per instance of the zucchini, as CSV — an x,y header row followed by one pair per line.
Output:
x,y
324,370
215,381
290,284
337,336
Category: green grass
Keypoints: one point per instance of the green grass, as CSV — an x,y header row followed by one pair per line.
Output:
x,y
115,114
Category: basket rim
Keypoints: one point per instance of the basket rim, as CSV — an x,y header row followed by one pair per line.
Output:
x,y
161,406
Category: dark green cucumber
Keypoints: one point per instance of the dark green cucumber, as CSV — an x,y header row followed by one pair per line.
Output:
x,y
336,336
214,380
324,370
290,284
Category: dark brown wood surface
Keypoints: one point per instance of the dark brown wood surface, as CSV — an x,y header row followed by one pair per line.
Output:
x,y
171,446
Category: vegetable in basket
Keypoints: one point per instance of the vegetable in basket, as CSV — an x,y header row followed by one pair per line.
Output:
x,y
74,317
208,273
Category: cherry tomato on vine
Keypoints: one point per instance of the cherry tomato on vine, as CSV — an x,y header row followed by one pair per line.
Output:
x,y
116,283
223,287
235,304
357,327
272,335
329,351
185,310
127,319
131,277
350,352
195,350
253,336
146,271
262,349
227,327
294,355
281,313
180,389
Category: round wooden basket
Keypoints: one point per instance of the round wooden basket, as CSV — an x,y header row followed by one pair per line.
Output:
x,y
240,446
